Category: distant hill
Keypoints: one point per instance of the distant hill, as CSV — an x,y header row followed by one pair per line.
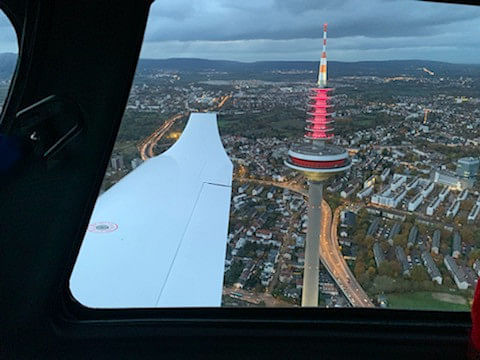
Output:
x,y
335,68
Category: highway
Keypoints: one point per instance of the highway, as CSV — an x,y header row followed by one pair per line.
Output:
x,y
147,145
332,259
329,251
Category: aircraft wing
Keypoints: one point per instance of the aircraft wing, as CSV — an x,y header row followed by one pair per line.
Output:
x,y
158,237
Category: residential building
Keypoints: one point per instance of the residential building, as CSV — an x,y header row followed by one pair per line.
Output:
x,y
395,230
432,268
453,209
365,192
444,193
473,213
402,259
436,241
433,206
456,244
412,236
378,254
372,229
457,273
415,202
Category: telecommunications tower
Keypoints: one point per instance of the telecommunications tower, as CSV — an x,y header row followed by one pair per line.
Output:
x,y
318,160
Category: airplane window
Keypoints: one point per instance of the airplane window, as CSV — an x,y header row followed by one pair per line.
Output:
x,y
8,55
249,171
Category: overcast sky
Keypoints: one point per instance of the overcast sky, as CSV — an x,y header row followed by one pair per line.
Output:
x,y
249,30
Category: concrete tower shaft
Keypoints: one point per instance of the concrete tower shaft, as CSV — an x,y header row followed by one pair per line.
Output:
x,y
312,245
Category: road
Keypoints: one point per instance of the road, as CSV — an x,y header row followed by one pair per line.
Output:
x,y
329,252
333,260
148,144
146,147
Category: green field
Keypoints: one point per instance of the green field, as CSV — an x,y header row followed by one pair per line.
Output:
x,y
426,301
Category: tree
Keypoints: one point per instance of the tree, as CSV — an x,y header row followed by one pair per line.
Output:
x,y
410,219
384,284
369,240
419,274
467,233
389,268
371,272
400,240
359,268
473,256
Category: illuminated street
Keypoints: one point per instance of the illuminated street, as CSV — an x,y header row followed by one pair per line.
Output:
x,y
333,260
330,254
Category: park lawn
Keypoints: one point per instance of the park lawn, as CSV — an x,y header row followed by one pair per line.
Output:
x,y
422,300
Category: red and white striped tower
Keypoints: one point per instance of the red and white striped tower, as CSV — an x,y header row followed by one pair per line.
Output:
x,y
317,160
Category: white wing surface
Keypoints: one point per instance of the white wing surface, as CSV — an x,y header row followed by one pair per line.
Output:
x,y
158,237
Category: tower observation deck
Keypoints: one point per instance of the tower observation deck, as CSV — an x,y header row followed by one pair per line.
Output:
x,y
318,160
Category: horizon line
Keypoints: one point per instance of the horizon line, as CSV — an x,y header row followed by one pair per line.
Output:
x,y
304,61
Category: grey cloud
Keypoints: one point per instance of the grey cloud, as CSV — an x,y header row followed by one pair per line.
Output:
x,y
290,29
287,19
